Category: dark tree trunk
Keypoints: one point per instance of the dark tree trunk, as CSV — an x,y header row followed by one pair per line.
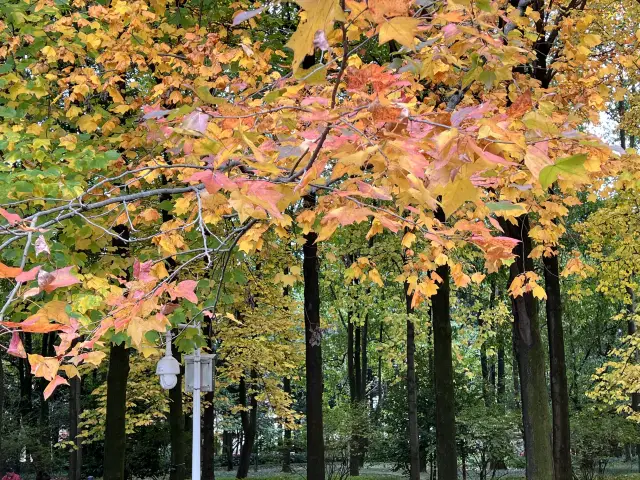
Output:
x,y
249,423
115,432
412,392
2,455
558,372
75,456
444,389
286,442
208,441
353,373
531,363
379,404
313,354
176,428
500,389
227,446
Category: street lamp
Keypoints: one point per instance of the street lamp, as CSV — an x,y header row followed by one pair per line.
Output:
x,y
198,378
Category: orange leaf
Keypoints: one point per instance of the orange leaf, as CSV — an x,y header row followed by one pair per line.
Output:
x,y
52,386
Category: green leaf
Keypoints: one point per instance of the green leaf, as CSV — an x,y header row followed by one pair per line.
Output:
x,y
573,165
503,206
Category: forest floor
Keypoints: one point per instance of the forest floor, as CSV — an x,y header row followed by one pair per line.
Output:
x,y
617,470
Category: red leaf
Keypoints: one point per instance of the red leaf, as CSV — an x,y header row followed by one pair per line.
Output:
x,y
15,347
28,276
213,181
12,218
52,386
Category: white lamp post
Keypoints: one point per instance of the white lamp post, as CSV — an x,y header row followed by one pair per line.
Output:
x,y
198,378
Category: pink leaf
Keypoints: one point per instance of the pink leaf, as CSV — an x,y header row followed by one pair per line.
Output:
x,y
41,246
196,121
320,40
61,278
28,276
185,289
12,218
213,181
244,16
52,386
142,271
15,347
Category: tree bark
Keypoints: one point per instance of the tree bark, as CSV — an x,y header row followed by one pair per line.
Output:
x,y
558,372
227,445
115,432
412,391
313,354
208,441
444,389
531,362
286,442
75,456
249,423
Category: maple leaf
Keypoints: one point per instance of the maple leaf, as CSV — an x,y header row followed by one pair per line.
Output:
x,y
382,9
320,15
45,367
12,218
243,16
29,275
41,246
9,272
56,279
213,181
53,384
185,289
196,122
15,346
142,271
401,29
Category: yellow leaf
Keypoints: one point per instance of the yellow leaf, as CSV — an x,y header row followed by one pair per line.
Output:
x,y
86,123
456,193
477,277
320,15
539,292
408,239
374,275
159,271
401,29
70,370
69,142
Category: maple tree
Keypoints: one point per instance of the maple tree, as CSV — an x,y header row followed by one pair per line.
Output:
x,y
166,164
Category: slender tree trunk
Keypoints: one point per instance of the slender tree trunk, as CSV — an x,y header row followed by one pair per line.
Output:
x,y
631,330
364,440
558,372
115,432
500,389
249,423
286,442
379,404
353,358
531,363
227,440
208,440
313,354
75,456
412,392
2,455
444,391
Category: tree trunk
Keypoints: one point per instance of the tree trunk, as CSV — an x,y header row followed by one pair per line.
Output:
x,y
412,392
208,440
115,432
227,445
444,391
75,456
558,372
353,373
286,442
531,363
249,423
2,459
379,404
313,354
500,389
